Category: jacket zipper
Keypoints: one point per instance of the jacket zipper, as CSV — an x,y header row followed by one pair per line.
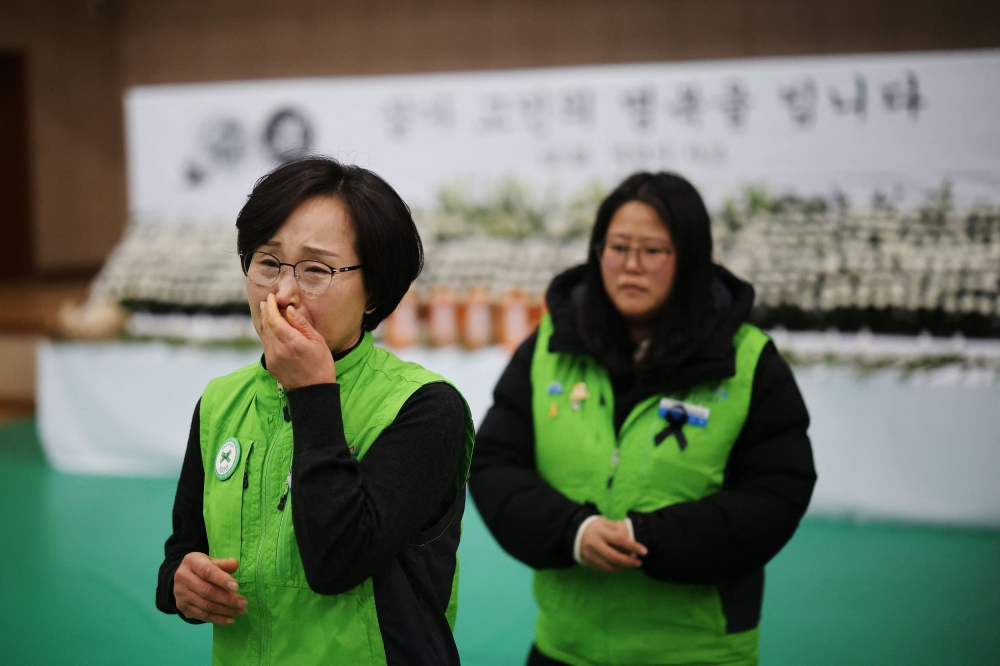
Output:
x,y
246,468
616,456
282,552
263,522
615,459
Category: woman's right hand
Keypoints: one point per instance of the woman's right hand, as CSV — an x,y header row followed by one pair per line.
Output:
x,y
606,547
204,589
295,352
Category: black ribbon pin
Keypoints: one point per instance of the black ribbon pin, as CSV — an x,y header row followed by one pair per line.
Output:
x,y
676,418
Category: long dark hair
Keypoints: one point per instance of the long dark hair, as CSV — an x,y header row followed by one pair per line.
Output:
x,y
687,317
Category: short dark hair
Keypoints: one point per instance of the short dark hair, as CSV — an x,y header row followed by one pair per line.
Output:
x,y
386,238
687,317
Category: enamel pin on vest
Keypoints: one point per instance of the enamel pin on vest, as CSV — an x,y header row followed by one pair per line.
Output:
x,y
227,459
578,395
555,388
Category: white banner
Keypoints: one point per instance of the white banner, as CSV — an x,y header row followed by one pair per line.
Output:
x,y
893,126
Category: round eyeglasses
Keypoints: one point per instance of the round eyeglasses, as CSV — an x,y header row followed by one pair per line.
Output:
x,y
313,277
614,255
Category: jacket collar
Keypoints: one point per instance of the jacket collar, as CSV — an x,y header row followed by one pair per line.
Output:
x,y
269,396
348,365
713,361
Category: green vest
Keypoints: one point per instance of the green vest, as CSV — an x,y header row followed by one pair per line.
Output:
x,y
588,618
286,622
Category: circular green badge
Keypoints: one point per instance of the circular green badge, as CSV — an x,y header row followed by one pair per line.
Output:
x,y
227,459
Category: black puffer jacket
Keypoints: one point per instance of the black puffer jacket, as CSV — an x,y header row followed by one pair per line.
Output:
x,y
723,539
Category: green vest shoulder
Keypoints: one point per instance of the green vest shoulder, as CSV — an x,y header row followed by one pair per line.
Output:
x,y
288,623
671,448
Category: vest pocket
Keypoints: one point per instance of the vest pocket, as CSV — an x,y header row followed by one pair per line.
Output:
x,y
288,569
224,507
286,541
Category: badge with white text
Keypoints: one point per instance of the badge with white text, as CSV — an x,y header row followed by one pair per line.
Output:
x,y
227,459
695,415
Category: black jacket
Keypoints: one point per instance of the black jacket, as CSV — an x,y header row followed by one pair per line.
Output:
x,y
723,539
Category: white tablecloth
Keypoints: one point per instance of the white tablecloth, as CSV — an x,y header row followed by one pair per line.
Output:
x,y
924,448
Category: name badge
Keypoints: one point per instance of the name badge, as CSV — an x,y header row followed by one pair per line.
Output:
x,y
227,459
696,414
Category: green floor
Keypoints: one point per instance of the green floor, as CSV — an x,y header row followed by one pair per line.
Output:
x,y
78,561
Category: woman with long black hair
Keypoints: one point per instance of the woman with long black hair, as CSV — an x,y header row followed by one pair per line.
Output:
x,y
646,452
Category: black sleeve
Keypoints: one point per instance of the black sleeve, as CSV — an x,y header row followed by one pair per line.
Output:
x,y
189,522
768,482
352,518
533,521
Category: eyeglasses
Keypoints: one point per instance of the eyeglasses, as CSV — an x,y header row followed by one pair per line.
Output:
x,y
313,277
649,257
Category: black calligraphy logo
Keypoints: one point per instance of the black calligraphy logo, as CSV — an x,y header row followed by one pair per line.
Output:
x,y
194,173
735,104
536,109
856,105
904,95
400,115
221,145
567,155
439,112
497,114
577,107
404,115
224,141
288,135
801,99
688,105
640,104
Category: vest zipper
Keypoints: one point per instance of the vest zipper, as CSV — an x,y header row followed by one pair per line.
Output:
x,y
282,556
263,520
615,458
288,489
246,469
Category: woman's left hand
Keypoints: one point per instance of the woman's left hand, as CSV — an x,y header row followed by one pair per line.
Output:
x,y
605,546
296,354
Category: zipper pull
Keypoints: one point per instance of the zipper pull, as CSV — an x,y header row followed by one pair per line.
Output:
x,y
615,457
288,489
246,470
284,408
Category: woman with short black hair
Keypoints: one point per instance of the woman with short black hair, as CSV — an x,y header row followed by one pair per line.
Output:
x,y
646,451
317,514
386,238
